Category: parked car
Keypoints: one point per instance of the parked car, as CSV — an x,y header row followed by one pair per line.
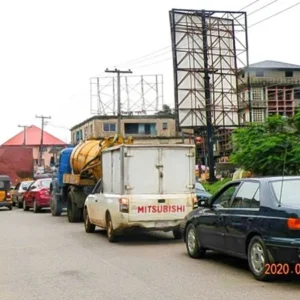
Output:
x,y
255,218
18,192
37,195
5,197
201,192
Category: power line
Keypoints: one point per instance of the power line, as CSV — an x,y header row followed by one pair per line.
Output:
x,y
255,11
249,5
163,50
42,137
272,16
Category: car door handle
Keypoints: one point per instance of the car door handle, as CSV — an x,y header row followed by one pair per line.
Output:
x,y
250,220
220,218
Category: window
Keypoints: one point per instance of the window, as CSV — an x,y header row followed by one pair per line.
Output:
x,y
247,196
199,187
98,187
26,184
1,185
109,127
222,200
259,74
17,186
165,126
45,183
289,73
287,192
258,115
140,128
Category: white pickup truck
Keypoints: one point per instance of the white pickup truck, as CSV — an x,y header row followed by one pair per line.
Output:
x,y
142,187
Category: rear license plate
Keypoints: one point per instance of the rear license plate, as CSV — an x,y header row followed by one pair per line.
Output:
x,y
161,224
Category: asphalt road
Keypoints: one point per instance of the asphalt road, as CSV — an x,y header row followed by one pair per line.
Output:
x,y
45,257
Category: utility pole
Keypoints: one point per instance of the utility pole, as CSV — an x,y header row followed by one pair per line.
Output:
x,y
42,137
210,139
24,128
119,92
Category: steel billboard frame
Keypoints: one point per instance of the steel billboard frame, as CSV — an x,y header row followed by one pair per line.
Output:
x,y
213,110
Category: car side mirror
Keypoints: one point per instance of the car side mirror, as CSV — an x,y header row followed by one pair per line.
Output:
x,y
25,188
203,203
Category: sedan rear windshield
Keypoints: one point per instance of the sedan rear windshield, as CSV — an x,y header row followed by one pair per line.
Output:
x,y
46,183
26,184
287,192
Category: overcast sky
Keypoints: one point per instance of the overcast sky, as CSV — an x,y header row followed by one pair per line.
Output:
x,y
50,50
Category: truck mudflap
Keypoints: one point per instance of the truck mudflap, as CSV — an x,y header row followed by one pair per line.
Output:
x,y
160,209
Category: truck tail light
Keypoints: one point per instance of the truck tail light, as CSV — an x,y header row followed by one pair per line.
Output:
x,y
124,205
293,223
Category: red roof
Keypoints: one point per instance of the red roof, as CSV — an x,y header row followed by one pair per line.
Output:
x,y
33,138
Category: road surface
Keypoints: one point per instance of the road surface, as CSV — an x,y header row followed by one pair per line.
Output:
x,y
45,257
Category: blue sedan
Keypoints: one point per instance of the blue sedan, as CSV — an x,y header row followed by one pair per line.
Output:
x,y
257,219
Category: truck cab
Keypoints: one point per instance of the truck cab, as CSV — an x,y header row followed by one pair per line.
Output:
x,y
58,189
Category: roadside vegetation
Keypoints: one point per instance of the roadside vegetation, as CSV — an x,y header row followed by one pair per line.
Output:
x,y
269,149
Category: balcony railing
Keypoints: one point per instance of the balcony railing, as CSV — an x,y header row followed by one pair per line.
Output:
x,y
270,80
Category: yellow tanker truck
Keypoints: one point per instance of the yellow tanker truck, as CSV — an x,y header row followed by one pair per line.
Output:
x,y
78,171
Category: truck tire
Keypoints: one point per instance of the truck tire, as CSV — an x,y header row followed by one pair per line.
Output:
x,y
74,213
55,205
111,235
89,227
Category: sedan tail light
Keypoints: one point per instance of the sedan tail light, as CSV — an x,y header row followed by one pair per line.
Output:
x,y
293,223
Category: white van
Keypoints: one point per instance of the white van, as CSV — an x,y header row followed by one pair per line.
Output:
x,y
143,187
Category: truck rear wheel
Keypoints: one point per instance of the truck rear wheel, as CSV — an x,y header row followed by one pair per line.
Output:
x,y
74,213
89,227
111,235
55,205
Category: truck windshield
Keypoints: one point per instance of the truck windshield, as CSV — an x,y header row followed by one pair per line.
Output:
x,y
287,192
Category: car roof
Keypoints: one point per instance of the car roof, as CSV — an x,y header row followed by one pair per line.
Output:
x,y
268,179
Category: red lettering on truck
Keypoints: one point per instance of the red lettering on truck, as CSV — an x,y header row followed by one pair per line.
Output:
x,y
141,209
161,209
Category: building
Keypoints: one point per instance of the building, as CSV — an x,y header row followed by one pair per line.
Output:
x,y
16,163
274,89
31,138
154,129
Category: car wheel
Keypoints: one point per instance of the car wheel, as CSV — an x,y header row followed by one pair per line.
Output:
x,y
19,203
25,208
89,227
258,258
110,230
192,243
36,209
10,207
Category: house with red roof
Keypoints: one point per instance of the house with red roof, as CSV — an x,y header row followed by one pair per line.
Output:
x,y
30,137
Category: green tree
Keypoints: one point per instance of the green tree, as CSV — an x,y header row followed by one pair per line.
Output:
x,y
166,110
269,149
